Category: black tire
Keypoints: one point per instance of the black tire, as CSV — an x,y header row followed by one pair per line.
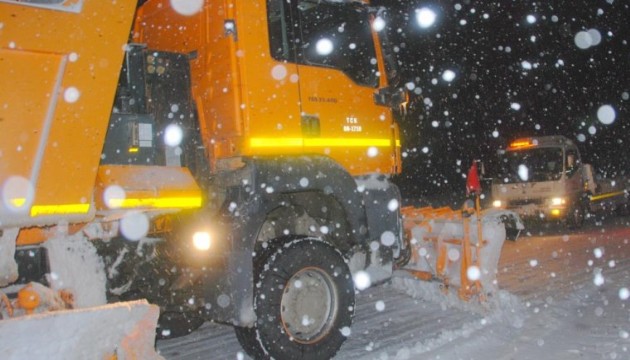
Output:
x,y
576,216
624,208
176,324
247,338
304,302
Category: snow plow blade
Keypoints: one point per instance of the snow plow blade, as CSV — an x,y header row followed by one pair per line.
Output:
x,y
124,330
445,246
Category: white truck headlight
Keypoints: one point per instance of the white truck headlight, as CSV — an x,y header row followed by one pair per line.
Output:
x,y
557,201
202,240
497,203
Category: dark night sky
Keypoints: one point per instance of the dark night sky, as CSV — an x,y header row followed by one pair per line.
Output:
x,y
486,43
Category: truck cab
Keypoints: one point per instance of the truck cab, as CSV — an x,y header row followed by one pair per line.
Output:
x,y
541,178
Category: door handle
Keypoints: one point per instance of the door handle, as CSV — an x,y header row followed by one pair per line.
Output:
x,y
310,125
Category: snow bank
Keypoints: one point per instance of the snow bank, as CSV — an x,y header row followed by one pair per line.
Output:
x,y
373,182
8,266
75,266
500,309
124,329
500,306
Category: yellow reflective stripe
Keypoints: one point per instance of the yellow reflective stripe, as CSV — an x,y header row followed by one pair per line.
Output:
x,y
606,196
343,142
160,203
319,142
59,209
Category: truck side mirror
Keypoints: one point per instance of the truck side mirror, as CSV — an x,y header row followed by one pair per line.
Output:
x,y
571,165
396,98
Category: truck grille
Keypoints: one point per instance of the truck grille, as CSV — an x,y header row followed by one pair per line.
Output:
x,y
521,202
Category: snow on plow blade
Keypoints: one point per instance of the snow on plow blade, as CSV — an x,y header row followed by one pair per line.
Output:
x,y
124,330
445,246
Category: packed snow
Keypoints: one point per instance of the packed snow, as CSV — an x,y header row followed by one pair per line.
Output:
x,y
114,331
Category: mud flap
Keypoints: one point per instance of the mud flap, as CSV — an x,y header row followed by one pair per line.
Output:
x,y
123,330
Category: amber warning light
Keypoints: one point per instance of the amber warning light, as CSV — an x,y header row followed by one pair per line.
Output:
x,y
521,143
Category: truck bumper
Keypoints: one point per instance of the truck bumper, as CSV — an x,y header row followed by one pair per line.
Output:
x,y
540,213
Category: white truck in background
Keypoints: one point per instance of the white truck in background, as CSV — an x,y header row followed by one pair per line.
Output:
x,y
544,178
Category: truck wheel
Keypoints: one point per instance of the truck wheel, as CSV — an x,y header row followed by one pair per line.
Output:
x,y
304,301
175,324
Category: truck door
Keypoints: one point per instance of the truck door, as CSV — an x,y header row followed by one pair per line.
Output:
x,y
338,76
572,162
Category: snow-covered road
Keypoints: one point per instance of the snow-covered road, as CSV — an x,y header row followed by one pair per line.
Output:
x,y
565,297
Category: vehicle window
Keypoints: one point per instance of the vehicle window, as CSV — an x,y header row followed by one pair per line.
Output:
x,y
328,34
388,49
338,36
280,42
540,164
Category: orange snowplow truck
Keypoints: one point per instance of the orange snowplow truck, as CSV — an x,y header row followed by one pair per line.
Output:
x,y
227,160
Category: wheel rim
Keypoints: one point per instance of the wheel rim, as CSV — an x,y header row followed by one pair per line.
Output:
x,y
309,305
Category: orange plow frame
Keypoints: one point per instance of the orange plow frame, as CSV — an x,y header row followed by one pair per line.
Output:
x,y
440,232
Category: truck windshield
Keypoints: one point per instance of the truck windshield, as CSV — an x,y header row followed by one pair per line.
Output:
x,y
324,33
339,35
531,165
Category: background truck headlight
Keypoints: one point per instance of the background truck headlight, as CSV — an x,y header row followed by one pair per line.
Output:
x,y
202,240
497,203
557,201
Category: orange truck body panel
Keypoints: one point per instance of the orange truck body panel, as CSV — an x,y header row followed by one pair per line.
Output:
x,y
250,104
59,66
146,187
